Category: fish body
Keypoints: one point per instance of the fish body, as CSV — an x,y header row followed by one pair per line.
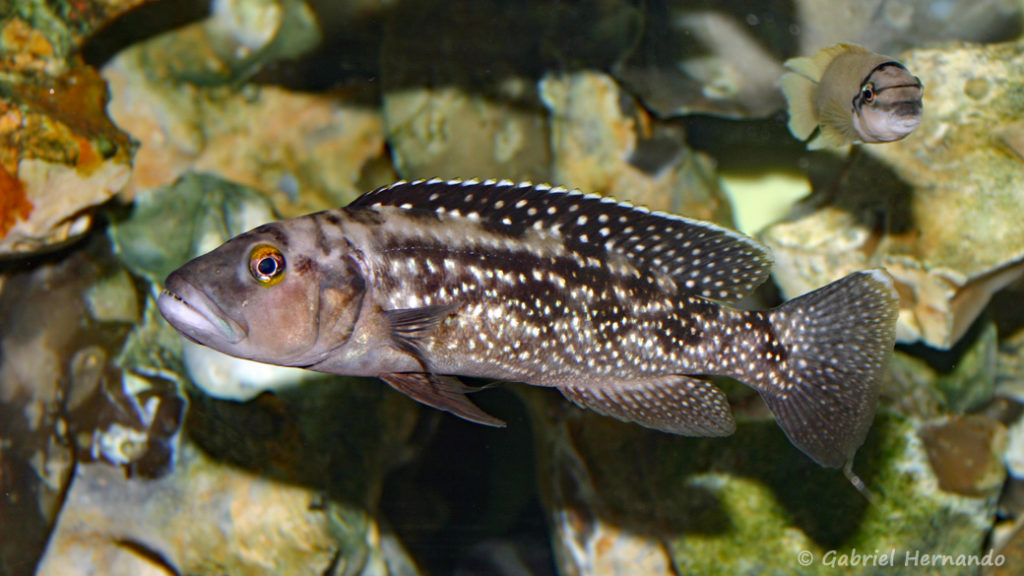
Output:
x,y
850,94
621,309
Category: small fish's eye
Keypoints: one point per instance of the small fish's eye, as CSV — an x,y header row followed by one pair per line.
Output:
x,y
867,92
266,264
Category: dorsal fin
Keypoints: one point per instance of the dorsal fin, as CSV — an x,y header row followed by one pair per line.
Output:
x,y
704,259
813,67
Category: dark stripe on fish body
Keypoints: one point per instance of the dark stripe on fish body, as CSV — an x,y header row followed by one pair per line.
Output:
x,y
325,245
704,259
274,231
594,307
333,217
879,67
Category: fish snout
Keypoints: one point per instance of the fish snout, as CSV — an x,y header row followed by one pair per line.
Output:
x,y
190,311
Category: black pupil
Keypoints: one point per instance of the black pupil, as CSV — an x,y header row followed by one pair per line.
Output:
x,y
868,94
267,266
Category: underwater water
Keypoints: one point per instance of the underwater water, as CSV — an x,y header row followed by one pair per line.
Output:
x,y
136,135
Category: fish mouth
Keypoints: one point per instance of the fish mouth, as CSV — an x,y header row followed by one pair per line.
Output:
x,y
195,314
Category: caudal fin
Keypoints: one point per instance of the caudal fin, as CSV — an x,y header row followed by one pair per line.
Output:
x,y
837,341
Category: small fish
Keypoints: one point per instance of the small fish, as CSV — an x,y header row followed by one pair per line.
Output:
x,y
621,309
850,95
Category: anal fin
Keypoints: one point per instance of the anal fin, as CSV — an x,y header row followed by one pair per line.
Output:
x,y
677,404
441,392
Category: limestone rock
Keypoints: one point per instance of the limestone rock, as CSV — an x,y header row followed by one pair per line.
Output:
x,y
307,152
604,142
207,518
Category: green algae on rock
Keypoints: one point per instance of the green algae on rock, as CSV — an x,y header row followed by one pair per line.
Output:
x,y
617,493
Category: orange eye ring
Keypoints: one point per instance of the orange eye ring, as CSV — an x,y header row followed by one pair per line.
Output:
x,y
266,265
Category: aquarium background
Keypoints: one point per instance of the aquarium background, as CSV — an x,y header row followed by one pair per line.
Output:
x,y
136,135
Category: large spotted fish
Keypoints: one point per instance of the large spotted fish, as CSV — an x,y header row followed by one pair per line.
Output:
x,y
849,94
623,310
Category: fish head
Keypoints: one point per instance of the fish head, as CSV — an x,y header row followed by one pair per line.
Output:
x,y
264,296
888,106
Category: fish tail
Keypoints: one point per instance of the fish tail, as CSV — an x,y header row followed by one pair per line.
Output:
x,y
829,349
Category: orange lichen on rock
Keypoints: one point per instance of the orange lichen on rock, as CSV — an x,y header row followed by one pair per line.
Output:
x,y
14,204
77,99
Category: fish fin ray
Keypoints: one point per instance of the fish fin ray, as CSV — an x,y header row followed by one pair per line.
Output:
x,y
676,404
441,392
814,67
836,122
799,93
804,66
409,326
837,340
703,259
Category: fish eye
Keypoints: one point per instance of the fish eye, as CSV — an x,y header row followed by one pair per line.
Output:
x,y
867,92
266,265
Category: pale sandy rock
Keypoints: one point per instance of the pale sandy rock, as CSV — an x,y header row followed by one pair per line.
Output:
x,y
598,136
307,151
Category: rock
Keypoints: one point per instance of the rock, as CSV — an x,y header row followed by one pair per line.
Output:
x,y
1010,554
928,384
307,152
939,210
603,142
890,26
620,497
467,112
966,454
66,393
59,157
209,518
238,38
277,485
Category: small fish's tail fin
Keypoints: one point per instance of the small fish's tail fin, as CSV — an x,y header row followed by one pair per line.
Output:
x,y
834,344
799,93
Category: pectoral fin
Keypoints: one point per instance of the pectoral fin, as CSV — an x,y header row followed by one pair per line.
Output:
x,y
410,327
441,392
676,404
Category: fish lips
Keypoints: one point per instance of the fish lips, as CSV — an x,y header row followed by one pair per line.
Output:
x,y
196,315
889,124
